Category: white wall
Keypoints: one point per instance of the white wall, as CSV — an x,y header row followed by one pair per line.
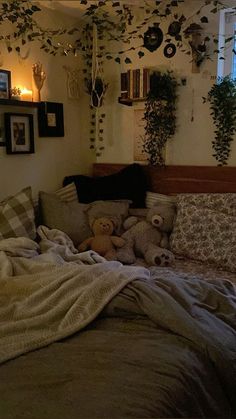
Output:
x,y
191,144
54,158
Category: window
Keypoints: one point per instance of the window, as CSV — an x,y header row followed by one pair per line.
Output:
x,y
227,56
234,54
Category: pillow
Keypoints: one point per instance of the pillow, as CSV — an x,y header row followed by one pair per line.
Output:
x,y
67,193
129,183
205,229
117,210
153,198
68,217
223,202
17,216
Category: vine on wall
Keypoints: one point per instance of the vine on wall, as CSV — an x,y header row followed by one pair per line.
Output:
x,y
138,27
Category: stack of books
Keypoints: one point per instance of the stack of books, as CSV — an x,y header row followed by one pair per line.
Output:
x,y
135,84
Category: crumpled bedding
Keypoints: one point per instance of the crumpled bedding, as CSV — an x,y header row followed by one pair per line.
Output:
x,y
47,292
164,345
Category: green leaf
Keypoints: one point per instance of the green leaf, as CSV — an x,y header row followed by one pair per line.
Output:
x,y
229,39
128,60
35,8
117,60
141,54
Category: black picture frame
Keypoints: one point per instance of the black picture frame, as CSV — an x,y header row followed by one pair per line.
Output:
x,y
19,133
50,119
5,84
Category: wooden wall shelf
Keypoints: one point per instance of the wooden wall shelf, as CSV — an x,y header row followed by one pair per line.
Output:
x,y
21,103
129,101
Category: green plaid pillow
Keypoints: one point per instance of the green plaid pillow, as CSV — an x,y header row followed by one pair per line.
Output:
x,y
17,216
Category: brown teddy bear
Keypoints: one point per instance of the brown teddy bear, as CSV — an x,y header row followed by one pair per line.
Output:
x,y
148,239
103,242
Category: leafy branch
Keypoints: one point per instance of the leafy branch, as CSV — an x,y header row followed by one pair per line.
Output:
x,y
222,99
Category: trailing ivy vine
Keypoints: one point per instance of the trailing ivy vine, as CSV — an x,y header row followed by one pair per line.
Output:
x,y
115,21
159,116
122,29
222,99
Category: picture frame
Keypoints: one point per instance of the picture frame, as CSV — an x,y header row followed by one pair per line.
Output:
x,y
19,133
5,84
2,131
50,119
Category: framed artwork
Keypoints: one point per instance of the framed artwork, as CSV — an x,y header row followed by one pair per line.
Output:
x,y
2,131
5,84
19,133
50,119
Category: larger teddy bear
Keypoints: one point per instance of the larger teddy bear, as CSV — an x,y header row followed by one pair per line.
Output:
x,y
148,238
103,241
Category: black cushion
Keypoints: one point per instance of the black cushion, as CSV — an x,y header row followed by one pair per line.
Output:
x,y
129,183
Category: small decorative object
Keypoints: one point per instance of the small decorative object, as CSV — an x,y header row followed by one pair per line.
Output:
x,y
159,115
169,50
222,99
73,82
50,119
15,93
19,133
197,45
5,84
26,94
39,77
174,28
153,38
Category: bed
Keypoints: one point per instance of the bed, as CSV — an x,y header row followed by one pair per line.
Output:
x,y
81,337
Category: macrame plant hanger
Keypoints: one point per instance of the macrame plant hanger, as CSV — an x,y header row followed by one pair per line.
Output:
x,y
97,91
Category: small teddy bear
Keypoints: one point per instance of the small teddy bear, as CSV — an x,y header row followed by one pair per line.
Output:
x,y
103,242
148,238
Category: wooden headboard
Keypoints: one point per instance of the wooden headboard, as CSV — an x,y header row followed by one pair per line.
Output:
x,y
180,179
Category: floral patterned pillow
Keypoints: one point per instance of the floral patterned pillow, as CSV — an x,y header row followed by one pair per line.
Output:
x,y
205,229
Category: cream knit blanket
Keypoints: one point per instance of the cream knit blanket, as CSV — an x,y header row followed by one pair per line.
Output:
x,y
48,295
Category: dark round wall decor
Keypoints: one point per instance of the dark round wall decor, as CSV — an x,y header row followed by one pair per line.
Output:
x,y
169,50
153,38
174,28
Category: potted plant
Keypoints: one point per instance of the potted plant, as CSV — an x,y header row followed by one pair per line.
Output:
x,y
159,115
222,99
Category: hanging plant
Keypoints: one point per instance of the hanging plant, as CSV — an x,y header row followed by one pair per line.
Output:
x,y
222,99
96,87
159,116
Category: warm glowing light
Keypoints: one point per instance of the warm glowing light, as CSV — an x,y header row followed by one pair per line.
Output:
x,y
26,94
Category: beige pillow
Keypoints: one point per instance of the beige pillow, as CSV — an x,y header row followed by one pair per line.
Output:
x,y
204,231
69,217
17,218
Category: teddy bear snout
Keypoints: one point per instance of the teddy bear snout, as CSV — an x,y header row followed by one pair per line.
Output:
x,y
105,227
157,220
